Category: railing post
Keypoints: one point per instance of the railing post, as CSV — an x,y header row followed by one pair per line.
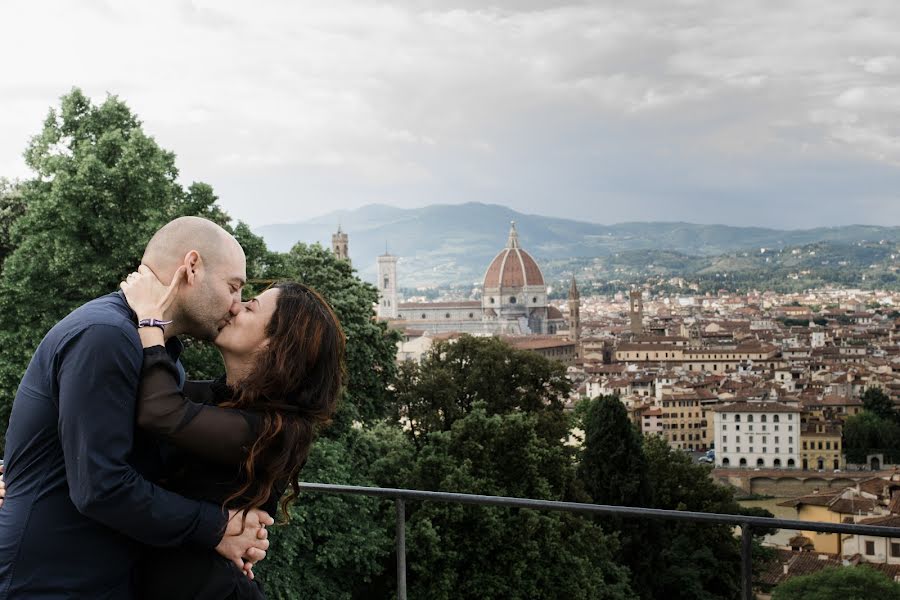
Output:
x,y
401,549
746,562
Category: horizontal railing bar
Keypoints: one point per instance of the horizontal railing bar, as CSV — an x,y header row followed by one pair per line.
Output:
x,y
604,509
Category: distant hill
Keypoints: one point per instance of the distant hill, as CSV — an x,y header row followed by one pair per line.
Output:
x,y
443,244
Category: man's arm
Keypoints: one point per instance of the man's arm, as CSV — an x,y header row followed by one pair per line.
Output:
x,y
97,377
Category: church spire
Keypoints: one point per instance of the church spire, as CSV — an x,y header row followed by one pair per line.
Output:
x,y
513,241
573,289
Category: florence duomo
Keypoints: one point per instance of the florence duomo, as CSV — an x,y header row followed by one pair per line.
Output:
x,y
513,300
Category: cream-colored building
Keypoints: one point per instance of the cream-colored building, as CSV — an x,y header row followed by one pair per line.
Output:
x,y
514,300
757,434
716,359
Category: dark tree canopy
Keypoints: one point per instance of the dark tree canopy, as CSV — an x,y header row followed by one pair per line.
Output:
x,y
843,583
101,188
877,402
457,374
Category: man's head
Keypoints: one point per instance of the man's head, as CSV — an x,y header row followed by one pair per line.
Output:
x,y
216,270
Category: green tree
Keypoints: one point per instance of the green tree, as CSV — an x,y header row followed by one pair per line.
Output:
x,y
843,583
101,188
455,375
612,465
458,551
877,402
867,433
12,206
335,547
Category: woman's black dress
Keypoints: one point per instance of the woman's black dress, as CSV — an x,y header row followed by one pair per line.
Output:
x,y
209,446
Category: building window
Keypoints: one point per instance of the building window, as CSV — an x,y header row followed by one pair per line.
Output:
x,y
777,451
386,282
763,418
749,418
895,549
512,299
471,315
776,428
775,419
828,445
790,416
737,439
776,440
447,315
790,427
737,418
751,450
724,439
804,445
724,427
424,316
534,300
790,451
492,300
750,427
870,548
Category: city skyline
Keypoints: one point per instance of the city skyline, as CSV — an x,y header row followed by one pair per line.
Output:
x,y
752,114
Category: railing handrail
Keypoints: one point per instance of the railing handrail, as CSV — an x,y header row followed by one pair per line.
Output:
x,y
581,507
746,523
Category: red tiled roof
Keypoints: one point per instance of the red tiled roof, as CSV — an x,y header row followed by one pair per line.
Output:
x,y
513,267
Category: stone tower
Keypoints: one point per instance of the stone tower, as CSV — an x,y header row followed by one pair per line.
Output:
x,y
339,244
387,286
636,311
574,312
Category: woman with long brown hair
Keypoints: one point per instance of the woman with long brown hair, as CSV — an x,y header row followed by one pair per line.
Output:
x,y
240,440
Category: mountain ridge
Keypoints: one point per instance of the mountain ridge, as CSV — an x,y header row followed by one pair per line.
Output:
x,y
454,243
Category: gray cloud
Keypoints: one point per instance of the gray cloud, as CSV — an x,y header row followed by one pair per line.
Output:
x,y
755,112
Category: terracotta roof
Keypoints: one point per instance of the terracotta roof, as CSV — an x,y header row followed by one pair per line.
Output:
x,y
512,267
834,502
554,313
884,521
757,407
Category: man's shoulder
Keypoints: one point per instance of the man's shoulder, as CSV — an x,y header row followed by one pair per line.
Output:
x,y
109,314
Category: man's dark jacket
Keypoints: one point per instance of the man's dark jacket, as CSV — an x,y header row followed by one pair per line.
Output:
x,y
79,506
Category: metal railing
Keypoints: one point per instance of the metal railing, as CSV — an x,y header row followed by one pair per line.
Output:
x,y
746,523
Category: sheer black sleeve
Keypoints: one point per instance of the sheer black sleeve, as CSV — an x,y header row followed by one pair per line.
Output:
x,y
223,435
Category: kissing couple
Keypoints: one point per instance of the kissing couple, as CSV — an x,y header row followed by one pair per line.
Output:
x,y
123,480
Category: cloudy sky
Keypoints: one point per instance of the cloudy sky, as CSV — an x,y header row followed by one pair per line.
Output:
x,y
776,113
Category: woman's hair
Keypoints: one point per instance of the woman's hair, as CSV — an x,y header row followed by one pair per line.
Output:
x,y
295,385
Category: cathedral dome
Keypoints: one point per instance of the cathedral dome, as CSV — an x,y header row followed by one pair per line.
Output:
x,y
513,267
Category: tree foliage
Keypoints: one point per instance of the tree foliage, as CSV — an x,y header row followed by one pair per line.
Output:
x,y
457,374
843,583
867,433
101,188
878,403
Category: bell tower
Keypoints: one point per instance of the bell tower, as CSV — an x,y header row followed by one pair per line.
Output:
x,y
636,311
387,286
574,312
339,244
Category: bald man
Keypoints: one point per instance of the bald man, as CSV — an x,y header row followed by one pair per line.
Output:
x,y
79,499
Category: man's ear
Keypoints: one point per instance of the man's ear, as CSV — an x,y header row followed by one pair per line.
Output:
x,y
192,264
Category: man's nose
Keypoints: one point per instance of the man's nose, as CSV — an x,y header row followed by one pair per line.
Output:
x,y
236,307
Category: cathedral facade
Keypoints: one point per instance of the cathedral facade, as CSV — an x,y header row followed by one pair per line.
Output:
x,y
514,299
